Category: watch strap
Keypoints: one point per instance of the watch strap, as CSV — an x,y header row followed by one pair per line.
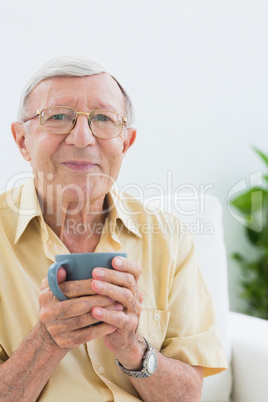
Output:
x,y
140,373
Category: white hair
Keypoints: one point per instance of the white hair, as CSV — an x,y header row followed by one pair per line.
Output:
x,y
69,66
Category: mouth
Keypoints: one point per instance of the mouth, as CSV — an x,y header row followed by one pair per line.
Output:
x,y
79,165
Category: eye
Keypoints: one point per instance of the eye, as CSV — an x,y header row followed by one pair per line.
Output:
x,y
101,117
59,117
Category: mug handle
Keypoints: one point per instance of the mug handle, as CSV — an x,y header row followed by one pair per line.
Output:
x,y
52,278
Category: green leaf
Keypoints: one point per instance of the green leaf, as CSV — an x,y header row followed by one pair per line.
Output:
x,y
238,257
262,155
265,177
254,237
249,201
253,206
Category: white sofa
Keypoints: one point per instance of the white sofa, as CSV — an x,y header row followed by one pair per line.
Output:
x,y
245,338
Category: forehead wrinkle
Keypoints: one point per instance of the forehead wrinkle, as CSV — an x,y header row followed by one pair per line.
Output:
x,y
105,94
74,103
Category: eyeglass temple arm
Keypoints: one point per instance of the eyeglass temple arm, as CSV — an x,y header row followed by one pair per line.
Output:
x,y
33,116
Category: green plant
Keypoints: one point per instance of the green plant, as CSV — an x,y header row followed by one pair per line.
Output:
x,y
253,205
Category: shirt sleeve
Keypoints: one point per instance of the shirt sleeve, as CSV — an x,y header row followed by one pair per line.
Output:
x,y
192,334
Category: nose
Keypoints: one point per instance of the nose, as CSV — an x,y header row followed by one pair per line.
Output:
x,y
81,135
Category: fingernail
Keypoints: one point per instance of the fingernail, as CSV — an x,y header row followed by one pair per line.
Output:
x,y
118,262
98,284
118,307
97,311
99,272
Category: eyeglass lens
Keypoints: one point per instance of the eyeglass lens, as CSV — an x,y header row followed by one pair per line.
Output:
x,y
61,120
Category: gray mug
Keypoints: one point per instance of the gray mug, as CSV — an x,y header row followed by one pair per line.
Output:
x,y
78,266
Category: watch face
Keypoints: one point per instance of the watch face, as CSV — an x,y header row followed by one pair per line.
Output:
x,y
152,363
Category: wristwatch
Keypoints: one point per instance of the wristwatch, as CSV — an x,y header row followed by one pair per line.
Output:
x,y
149,362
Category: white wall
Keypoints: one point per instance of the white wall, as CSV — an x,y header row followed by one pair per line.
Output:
x,y
197,73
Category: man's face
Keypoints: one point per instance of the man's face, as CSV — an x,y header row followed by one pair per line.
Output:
x,y
77,164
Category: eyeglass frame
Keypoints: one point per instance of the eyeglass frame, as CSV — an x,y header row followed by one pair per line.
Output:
x,y
38,113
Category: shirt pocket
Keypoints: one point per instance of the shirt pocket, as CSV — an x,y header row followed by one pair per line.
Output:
x,y
153,326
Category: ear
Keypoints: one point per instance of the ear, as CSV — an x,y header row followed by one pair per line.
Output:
x,y
19,136
129,139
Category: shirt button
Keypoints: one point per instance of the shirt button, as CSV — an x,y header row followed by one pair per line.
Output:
x,y
101,370
157,317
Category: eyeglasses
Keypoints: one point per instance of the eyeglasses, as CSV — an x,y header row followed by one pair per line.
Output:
x,y
62,119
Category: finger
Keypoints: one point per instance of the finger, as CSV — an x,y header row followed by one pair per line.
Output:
x,y
120,294
79,322
61,276
73,289
82,336
123,279
125,265
73,307
119,319
139,296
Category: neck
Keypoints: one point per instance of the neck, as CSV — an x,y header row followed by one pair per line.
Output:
x,y
78,226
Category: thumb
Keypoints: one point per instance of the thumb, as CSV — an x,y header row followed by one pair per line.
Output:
x,y
61,275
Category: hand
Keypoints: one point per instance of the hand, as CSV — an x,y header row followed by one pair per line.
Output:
x,y
67,323
120,284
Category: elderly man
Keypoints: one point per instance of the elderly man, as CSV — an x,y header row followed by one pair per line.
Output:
x,y
157,337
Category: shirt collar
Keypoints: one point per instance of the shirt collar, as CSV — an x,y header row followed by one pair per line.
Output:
x,y
117,208
29,208
121,208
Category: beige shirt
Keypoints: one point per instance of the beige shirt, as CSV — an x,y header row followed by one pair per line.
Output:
x,y
177,317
